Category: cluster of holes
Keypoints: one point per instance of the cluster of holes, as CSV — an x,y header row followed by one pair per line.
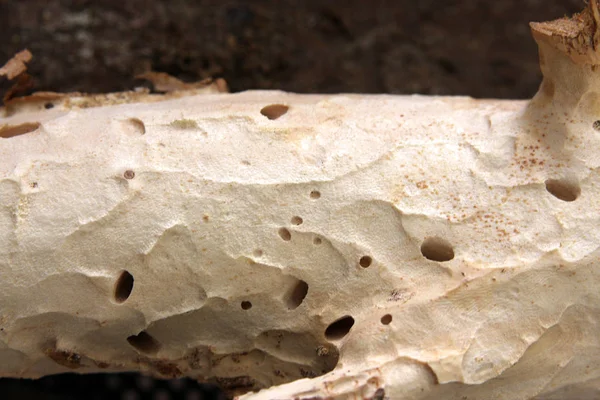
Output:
x,y
246,305
123,287
365,261
297,295
274,111
563,189
340,328
437,249
386,319
144,343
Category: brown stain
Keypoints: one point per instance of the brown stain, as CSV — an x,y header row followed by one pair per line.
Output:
x,y
166,368
101,364
83,100
65,358
236,385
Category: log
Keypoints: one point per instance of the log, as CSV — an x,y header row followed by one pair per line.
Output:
x,y
312,246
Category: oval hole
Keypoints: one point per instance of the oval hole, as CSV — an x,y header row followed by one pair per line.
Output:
x,y
144,343
315,194
297,295
386,319
9,131
339,328
285,234
563,189
123,287
274,111
596,125
437,249
297,220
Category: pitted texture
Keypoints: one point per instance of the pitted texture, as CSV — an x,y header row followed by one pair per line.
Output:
x,y
405,244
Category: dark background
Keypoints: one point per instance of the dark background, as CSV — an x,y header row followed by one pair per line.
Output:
x,y
480,48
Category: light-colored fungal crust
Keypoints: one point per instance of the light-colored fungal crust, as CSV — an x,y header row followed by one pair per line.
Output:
x,y
313,246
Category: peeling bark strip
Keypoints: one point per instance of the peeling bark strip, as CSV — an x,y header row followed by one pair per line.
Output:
x,y
379,246
16,65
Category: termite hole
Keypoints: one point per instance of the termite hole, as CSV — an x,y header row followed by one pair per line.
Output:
x,y
9,131
285,234
365,261
123,287
297,295
563,189
274,111
144,343
340,328
437,249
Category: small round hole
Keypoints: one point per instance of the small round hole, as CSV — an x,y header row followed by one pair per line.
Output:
x,y
315,194
365,261
297,221
386,319
258,253
285,234
437,249
297,295
339,328
317,241
596,125
274,111
129,174
48,106
563,189
246,305
123,287
144,343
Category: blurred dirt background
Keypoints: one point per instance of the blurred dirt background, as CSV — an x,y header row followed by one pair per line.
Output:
x,y
480,48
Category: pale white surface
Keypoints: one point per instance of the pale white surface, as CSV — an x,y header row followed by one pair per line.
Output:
x,y
512,315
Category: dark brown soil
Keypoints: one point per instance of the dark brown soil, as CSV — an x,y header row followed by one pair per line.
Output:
x,y
480,48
